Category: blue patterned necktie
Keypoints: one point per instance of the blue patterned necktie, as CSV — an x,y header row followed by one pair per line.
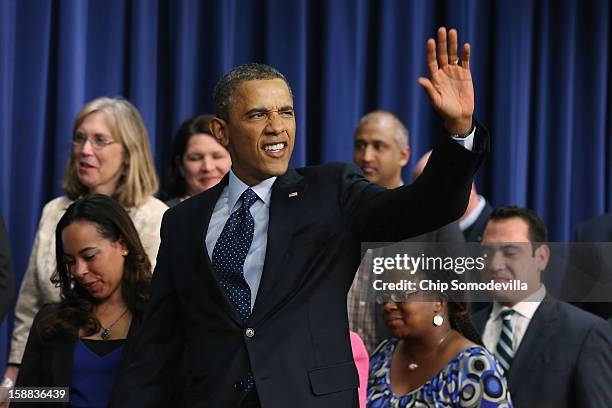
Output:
x,y
230,252
503,351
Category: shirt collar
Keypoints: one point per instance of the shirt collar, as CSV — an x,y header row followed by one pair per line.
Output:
x,y
237,187
473,216
526,307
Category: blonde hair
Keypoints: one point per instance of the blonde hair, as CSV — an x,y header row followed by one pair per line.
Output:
x,y
139,179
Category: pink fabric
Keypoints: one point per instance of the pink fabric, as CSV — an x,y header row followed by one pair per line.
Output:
x,y
362,361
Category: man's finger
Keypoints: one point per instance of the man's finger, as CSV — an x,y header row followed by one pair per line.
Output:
x,y
465,56
430,56
453,59
429,89
442,48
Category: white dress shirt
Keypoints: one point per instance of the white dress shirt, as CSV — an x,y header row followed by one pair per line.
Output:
x,y
520,320
468,221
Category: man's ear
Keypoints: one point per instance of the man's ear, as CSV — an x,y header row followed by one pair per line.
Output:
x,y
404,156
542,255
218,127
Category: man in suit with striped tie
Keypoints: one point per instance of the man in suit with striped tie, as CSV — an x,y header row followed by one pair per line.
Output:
x,y
553,354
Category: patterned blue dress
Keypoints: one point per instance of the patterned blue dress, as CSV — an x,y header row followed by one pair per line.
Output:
x,y
472,379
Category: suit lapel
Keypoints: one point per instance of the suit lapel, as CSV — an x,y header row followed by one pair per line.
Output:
x,y
284,210
197,223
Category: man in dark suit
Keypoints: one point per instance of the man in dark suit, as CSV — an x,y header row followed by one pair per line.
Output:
x,y
554,354
7,278
473,221
588,277
252,274
381,150
475,218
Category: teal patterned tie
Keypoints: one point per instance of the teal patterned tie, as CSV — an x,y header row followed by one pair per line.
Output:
x,y
503,351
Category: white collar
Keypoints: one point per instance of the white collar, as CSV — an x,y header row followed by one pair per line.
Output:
x,y
526,307
236,187
468,221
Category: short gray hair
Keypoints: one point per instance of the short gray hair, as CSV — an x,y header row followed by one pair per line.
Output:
x,y
401,134
226,87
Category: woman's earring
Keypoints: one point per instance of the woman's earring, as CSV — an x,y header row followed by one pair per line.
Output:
x,y
438,320
124,253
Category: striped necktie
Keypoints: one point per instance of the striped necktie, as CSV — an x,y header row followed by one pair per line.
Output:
x,y
503,351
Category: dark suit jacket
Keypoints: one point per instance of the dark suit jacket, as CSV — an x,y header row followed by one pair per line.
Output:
x,y
48,363
7,278
564,359
474,233
299,352
589,273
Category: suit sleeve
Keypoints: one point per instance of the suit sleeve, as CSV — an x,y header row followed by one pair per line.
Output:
x,y
146,380
438,197
31,367
7,278
594,368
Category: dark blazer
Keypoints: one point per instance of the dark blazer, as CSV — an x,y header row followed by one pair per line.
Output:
x,y
564,360
298,347
48,363
7,278
474,232
589,273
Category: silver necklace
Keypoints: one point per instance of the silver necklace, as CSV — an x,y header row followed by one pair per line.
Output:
x,y
105,334
414,365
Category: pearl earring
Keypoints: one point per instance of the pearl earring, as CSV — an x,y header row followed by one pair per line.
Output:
x,y
438,320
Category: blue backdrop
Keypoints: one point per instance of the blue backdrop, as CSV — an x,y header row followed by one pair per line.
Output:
x,y
541,72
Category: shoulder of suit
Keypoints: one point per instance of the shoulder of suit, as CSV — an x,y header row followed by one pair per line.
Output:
x,y
330,169
481,314
576,319
595,226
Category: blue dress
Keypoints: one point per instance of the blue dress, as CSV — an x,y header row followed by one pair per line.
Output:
x,y
93,375
472,379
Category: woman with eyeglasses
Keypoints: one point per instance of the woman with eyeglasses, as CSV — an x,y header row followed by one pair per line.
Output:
x,y
435,357
109,155
103,274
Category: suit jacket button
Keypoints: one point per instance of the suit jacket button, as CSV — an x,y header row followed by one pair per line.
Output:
x,y
249,332
238,386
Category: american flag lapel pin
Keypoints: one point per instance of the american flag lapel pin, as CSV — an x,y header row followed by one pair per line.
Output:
x,y
294,194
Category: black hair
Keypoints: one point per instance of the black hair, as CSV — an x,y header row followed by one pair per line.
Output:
x,y
538,232
227,86
76,308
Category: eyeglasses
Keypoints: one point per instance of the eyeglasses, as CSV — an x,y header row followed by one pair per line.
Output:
x,y
403,296
97,141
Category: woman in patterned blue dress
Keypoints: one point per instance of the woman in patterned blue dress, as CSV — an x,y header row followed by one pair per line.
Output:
x,y
434,358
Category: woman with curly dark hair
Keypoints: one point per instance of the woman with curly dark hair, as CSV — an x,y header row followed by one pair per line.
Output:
x,y
104,274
